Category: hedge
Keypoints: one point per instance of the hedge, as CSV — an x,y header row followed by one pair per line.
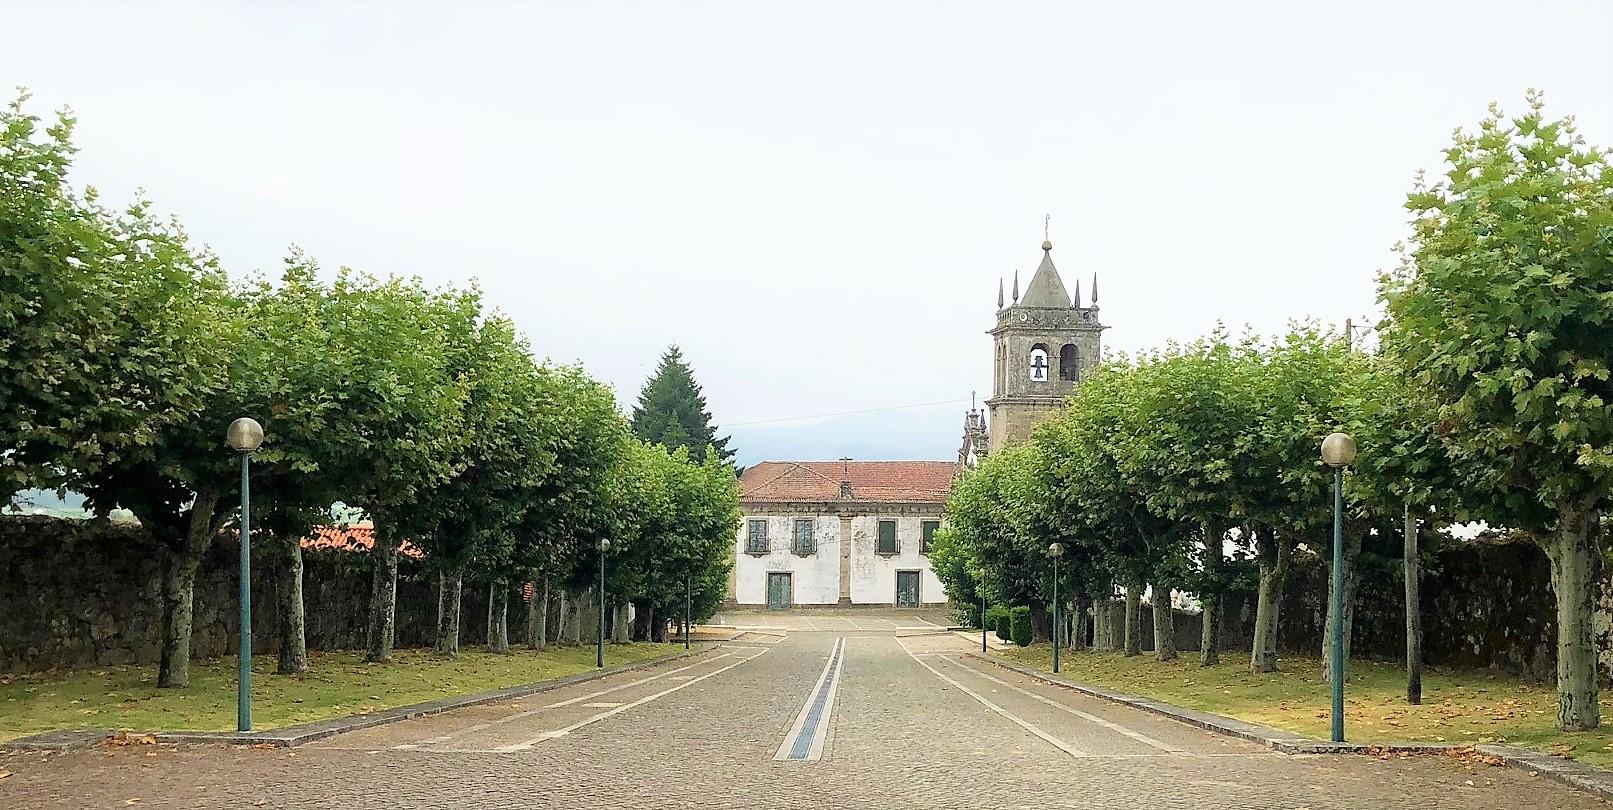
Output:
x,y
997,619
1020,623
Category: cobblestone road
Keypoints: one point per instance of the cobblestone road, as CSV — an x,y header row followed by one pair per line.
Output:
x,y
905,721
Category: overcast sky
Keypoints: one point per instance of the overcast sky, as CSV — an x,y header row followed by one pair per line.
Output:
x,y
814,200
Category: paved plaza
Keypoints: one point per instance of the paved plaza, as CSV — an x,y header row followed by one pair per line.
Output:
x,y
784,716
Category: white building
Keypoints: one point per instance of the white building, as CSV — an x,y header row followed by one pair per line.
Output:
x,y
817,533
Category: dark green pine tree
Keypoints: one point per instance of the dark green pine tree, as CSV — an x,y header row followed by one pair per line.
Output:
x,y
671,411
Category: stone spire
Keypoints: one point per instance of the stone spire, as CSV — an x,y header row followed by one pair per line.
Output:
x,y
1075,298
1016,286
1094,289
999,292
1046,288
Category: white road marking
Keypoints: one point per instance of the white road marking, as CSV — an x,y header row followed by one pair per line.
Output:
x,y
549,735
601,705
530,712
832,667
1092,718
1015,719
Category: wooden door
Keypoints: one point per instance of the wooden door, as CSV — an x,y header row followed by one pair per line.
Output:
x,y
778,591
907,589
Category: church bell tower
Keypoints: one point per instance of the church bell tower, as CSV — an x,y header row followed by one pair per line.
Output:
x,y
1044,344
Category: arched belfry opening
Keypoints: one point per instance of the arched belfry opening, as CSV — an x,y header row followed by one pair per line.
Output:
x,y
1039,363
1069,362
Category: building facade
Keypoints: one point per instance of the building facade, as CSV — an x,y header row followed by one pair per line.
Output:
x,y
1043,345
824,533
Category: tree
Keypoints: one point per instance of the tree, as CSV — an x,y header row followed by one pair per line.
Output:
x,y
1501,307
671,411
1184,436
507,448
116,341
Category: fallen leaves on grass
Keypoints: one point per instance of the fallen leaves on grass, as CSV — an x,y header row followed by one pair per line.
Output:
x,y
123,737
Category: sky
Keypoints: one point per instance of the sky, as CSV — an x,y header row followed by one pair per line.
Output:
x,y
814,200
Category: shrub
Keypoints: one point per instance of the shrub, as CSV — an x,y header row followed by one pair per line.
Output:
x,y
1020,622
997,619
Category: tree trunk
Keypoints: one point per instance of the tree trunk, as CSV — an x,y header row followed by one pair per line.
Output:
x,y
657,627
1575,554
1041,623
179,591
1164,624
293,619
573,618
449,582
1352,551
1414,613
1273,557
641,624
1210,635
1134,618
498,617
620,625
1078,630
178,601
537,617
382,628
1103,624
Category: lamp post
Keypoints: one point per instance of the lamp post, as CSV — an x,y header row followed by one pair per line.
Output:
x,y
599,641
1338,451
1056,550
688,602
244,436
982,619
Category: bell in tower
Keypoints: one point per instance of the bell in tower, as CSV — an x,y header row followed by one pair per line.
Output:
x,y
1044,343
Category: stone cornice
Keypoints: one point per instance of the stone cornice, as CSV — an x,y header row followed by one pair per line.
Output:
x,y
839,508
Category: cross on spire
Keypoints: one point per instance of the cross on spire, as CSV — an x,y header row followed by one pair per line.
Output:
x,y
1047,221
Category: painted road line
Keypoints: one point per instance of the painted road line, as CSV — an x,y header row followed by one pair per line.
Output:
x,y
811,728
1091,718
1015,719
442,738
549,735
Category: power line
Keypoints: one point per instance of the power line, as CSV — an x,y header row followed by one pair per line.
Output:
x,y
846,413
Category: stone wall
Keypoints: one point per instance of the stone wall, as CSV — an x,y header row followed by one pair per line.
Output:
x,y
1484,604
81,593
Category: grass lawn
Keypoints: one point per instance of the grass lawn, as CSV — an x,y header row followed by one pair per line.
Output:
x,y
1461,707
337,684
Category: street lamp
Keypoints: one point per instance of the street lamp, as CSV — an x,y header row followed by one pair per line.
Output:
x,y
1338,452
244,436
1056,550
599,643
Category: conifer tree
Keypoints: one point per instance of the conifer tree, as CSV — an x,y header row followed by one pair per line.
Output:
x,y
671,411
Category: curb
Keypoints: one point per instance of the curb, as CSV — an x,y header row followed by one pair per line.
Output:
x,y
303,733
1577,775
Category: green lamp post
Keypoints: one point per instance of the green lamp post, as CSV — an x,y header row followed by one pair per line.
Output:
x,y
1056,550
245,436
599,643
1338,451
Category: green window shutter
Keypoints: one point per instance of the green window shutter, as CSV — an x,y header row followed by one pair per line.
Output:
x,y
803,540
927,535
756,539
887,537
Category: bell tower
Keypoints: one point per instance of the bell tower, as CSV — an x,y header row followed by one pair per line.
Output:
x,y
1044,344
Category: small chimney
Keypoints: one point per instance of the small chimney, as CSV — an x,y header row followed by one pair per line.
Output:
x,y
845,479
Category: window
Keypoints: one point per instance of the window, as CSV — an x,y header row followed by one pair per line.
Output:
x,y
1069,362
1038,363
756,537
927,535
887,537
804,544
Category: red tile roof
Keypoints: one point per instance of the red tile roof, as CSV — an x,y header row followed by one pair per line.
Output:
x,y
873,481
358,537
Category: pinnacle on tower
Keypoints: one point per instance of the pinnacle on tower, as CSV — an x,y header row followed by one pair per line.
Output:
x,y
1016,286
1075,299
1094,289
999,292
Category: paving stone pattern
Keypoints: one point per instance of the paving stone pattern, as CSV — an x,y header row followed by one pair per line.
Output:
x,y
702,732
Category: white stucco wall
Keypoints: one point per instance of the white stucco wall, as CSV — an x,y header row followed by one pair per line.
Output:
x,y
815,578
873,576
